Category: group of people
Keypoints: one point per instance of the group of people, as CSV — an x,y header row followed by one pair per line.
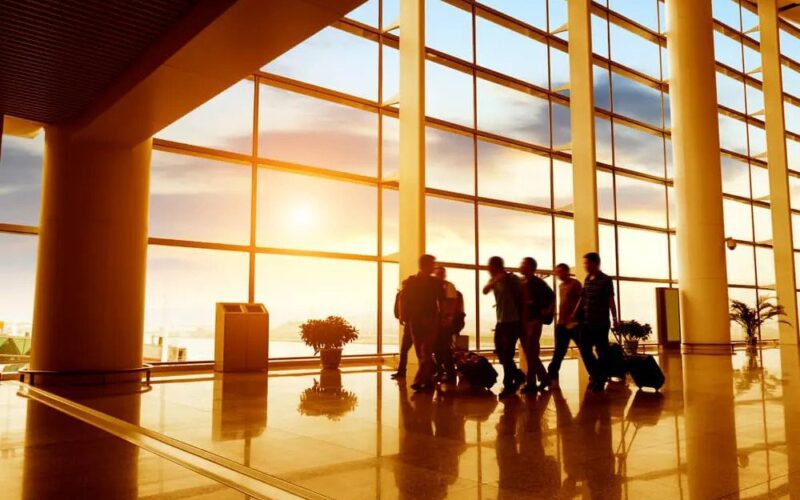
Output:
x,y
431,312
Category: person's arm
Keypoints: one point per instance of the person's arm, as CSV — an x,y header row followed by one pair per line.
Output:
x,y
489,285
612,305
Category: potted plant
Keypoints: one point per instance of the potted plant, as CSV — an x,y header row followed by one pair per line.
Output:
x,y
327,337
751,318
632,332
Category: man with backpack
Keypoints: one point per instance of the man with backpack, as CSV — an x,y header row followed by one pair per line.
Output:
x,y
421,304
509,307
539,310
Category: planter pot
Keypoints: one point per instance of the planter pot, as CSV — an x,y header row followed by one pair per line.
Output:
x,y
331,358
632,346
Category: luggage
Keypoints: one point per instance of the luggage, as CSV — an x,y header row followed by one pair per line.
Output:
x,y
615,362
645,371
475,369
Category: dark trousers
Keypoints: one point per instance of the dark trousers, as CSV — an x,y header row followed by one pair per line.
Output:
x,y
594,347
531,346
423,334
563,337
406,343
443,351
506,336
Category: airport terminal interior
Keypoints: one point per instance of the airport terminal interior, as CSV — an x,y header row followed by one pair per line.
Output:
x,y
185,184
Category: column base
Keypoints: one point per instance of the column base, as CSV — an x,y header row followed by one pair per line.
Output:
x,y
718,349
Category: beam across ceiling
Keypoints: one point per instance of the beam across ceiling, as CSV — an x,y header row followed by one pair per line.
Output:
x,y
169,82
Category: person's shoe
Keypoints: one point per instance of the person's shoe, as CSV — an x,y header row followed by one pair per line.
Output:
x,y
400,374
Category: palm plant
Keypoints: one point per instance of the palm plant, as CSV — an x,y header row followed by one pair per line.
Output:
x,y
751,318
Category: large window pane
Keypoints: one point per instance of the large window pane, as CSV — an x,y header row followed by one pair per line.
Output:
x,y
448,29
333,59
635,52
741,265
448,94
300,129
533,12
296,289
224,122
450,228
638,150
197,199
636,100
637,300
449,161
21,179
738,220
514,234
18,277
643,254
511,53
512,113
641,202
309,213
183,287
513,175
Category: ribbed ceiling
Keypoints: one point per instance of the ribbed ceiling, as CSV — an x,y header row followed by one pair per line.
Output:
x,y
56,56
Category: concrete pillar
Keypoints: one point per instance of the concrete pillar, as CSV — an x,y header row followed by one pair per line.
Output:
x,y
412,135
702,276
778,169
582,123
90,279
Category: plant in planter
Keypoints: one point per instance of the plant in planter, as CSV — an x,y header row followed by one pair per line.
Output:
x,y
632,332
327,337
751,318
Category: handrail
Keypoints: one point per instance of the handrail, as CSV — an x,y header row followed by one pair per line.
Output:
x,y
145,368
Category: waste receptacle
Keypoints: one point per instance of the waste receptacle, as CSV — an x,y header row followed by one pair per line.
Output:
x,y
242,337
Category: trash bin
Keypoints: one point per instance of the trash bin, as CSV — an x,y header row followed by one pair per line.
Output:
x,y
242,337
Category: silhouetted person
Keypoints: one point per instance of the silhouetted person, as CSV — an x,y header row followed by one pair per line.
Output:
x,y
452,319
509,307
539,304
421,302
597,300
569,294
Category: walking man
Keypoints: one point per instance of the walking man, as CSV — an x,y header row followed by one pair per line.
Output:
x,y
569,293
539,309
509,307
597,300
421,302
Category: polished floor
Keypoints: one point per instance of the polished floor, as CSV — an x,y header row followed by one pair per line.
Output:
x,y
723,426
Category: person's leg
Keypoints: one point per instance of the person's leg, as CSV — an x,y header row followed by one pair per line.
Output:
x,y
424,336
447,363
601,345
586,348
561,348
535,359
405,346
505,342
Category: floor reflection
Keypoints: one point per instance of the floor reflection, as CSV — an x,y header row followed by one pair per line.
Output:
x,y
721,426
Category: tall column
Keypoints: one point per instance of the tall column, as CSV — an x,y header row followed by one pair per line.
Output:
x,y
778,168
412,135
582,123
90,278
702,277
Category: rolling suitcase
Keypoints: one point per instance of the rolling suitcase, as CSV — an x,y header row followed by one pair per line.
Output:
x,y
645,371
615,362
